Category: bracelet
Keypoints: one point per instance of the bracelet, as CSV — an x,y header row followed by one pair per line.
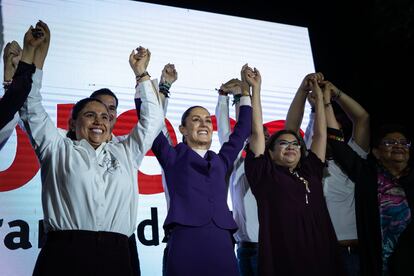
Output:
x,y
165,85
164,88
328,104
236,98
337,95
165,93
336,138
138,78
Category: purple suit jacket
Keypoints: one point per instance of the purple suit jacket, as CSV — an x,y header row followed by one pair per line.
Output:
x,y
197,186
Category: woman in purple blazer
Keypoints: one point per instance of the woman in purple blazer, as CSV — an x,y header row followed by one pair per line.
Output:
x,y
199,223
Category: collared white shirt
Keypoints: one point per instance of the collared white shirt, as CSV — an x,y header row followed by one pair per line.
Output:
x,y
84,188
338,190
243,201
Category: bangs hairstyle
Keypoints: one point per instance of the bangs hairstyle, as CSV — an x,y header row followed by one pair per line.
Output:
x,y
104,91
77,109
270,145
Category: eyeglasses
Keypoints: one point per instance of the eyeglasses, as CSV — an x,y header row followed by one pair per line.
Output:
x,y
393,142
284,144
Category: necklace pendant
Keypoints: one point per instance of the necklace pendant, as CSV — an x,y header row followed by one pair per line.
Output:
x,y
307,186
306,199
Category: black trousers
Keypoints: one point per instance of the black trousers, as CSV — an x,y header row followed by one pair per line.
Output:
x,y
79,252
133,252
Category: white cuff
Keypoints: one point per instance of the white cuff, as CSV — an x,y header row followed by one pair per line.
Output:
x,y
245,100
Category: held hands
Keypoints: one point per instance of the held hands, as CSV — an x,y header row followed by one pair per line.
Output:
x,y
306,85
42,33
11,57
36,44
251,76
233,86
33,37
330,91
168,75
138,60
316,91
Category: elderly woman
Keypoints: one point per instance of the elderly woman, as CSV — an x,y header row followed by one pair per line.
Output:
x,y
89,183
384,199
199,223
296,236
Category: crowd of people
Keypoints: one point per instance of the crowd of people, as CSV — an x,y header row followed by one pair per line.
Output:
x,y
336,201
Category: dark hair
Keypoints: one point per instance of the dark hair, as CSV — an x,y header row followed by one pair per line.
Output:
x,y
270,145
77,109
104,91
384,130
187,113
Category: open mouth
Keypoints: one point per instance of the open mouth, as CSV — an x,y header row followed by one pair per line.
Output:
x,y
96,130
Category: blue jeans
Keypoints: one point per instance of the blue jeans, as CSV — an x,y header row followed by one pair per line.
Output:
x,y
247,261
350,259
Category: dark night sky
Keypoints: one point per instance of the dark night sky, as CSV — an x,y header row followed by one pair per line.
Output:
x,y
364,47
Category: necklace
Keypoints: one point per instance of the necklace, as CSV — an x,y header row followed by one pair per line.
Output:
x,y
305,182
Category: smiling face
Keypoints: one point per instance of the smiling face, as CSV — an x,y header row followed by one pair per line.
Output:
x,y
394,148
92,124
197,128
286,151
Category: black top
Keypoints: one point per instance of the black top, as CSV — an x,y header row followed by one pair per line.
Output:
x,y
295,237
16,93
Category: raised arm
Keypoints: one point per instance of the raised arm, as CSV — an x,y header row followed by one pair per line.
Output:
x,y
42,31
40,128
234,87
36,43
309,128
356,113
151,115
223,117
329,112
318,145
16,90
257,138
297,107
168,76
11,56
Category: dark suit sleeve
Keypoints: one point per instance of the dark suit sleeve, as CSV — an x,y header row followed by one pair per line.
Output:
x,y
17,92
163,150
241,132
348,159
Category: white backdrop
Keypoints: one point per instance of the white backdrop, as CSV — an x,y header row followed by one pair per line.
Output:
x,y
90,45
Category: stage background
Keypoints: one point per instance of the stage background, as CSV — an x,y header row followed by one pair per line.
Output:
x,y
90,45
